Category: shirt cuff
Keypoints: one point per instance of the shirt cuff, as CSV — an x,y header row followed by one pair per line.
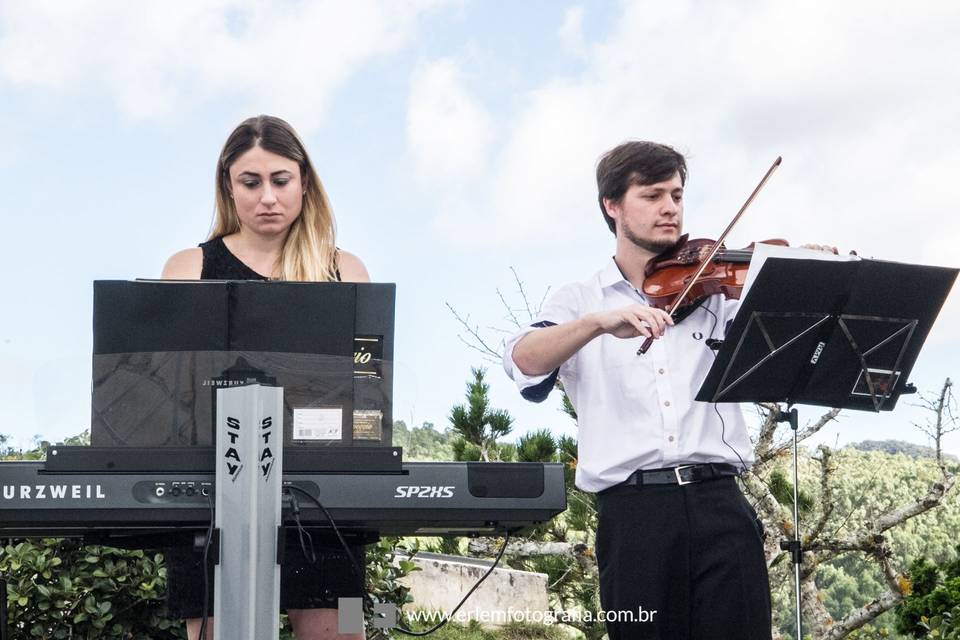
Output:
x,y
533,388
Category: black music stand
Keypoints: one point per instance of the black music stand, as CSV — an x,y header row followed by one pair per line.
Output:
x,y
833,334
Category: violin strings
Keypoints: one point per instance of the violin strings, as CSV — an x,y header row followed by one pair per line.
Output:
x,y
731,254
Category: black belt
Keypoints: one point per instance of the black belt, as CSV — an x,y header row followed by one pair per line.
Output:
x,y
684,474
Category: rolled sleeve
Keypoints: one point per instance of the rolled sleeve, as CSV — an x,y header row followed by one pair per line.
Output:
x,y
562,307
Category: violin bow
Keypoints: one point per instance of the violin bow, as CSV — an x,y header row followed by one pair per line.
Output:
x,y
713,251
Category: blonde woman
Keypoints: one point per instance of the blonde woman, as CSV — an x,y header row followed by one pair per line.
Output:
x,y
273,221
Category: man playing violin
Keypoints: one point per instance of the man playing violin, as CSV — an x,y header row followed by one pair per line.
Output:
x,y
680,549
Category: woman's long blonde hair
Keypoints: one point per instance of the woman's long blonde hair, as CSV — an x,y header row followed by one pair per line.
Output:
x,y
309,252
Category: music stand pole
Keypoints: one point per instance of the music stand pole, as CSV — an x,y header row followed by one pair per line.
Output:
x,y
793,546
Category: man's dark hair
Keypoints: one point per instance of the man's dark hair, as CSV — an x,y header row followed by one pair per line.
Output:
x,y
635,162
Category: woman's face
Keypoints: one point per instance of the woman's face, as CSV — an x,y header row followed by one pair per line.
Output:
x,y
267,191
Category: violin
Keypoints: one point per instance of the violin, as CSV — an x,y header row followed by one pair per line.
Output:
x,y
667,275
690,265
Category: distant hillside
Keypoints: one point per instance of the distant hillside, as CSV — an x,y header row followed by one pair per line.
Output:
x,y
427,443
899,446
423,443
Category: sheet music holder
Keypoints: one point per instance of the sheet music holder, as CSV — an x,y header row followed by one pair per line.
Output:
x,y
833,334
161,350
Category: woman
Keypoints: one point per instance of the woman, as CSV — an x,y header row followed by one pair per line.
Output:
x,y
273,221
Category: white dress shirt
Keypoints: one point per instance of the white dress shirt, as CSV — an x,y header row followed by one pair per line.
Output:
x,y
638,412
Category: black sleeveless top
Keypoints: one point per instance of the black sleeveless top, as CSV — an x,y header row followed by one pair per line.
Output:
x,y
220,264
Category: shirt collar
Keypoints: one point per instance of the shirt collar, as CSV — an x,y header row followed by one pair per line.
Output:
x,y
611,275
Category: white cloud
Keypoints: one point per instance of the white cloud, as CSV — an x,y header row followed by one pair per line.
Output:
x,y
859,98
545,172
12,145
571,31
154,59
448,131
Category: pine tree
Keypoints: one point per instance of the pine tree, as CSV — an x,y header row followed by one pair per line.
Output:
x,y
478,425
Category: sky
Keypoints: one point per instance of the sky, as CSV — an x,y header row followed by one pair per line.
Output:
x,y
457,141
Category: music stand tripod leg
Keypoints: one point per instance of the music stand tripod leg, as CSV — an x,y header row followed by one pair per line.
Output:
x,y
793,546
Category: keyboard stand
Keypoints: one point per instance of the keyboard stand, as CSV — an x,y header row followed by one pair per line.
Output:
x,y
249,480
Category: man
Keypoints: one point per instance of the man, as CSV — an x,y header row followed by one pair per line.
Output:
x,y
679,548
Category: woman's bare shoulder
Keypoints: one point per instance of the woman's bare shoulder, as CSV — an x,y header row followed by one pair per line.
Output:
x,y
184,265
351,267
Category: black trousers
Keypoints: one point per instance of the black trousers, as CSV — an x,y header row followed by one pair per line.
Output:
x,y
682,563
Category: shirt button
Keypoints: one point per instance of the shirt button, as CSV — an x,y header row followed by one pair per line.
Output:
x,y
667,403
670,438
660,371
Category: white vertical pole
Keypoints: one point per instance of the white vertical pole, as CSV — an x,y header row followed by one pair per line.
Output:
x,y
248,504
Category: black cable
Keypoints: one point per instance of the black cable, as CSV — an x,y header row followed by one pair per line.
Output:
x,y
206,573
723,425
723,429
716,320
311,556
360,573
353,561
449,616
306,544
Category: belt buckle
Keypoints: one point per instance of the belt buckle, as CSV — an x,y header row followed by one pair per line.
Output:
x,y
676,472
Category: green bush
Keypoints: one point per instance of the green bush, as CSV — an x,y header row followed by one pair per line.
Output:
x,y
933,607
384,571
945,626
63,589
59,588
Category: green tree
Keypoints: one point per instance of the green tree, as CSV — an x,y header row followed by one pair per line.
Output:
x,y
423,443
934,600
478,426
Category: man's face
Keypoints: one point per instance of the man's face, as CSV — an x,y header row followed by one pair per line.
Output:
x,y
650,216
